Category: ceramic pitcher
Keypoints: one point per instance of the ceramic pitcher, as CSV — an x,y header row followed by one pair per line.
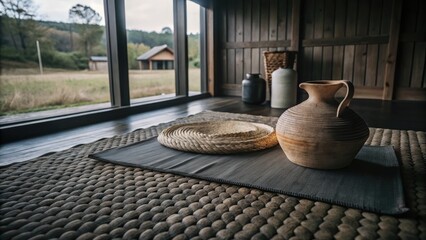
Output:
x,y
322,132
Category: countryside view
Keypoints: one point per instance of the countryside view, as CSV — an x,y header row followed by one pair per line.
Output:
x,y
47,64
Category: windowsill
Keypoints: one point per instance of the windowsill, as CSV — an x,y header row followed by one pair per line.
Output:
x,y
36,124
63,112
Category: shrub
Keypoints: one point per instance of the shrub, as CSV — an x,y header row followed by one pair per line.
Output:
x,y
72,61
196,63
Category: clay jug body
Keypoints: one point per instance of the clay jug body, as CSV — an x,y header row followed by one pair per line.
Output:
x,y
284,88
321,132
253,89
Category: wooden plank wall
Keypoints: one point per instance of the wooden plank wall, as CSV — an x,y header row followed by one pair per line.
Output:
x,y
411,67
249,28
339,39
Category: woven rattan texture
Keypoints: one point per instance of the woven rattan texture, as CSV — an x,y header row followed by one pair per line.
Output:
x,y
69,196
219,137
273,60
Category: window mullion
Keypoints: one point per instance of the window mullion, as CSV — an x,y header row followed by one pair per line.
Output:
x,y
203,49
117,52
180,47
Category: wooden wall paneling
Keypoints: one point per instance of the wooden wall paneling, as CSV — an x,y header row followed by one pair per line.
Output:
x,y
255,36
239,53
318,34
381,63
339,31
231,36
373,49
384,30
230,21
247,35
424,77
305,69
348,62
255,60
239,65
282,20
261,62
410,13
371,65
391,53
386,17
418,65
339,39
264,32
375,17
350,31
361,50
406,49
421,19
327,56
230,65
273,20
418,75
223,37
264,21
360,60
239,20
247,61
295,30
293,6
404,65
337,71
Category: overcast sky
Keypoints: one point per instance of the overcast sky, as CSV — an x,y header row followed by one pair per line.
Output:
x,y
147,15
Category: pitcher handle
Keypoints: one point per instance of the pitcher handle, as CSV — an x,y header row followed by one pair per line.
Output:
x,y
349,95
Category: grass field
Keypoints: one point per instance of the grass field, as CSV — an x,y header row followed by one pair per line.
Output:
x,y
24,90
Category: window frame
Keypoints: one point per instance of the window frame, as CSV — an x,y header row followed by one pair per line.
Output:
x,y
115,23
118,74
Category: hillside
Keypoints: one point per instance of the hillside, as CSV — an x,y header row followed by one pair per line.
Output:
x,y
68,45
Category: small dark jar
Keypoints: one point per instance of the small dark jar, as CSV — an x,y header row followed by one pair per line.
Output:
x,y
253,89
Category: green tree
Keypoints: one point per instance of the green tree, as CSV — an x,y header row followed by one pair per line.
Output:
x,y
18,23
134,51
194,49
166,30
87,22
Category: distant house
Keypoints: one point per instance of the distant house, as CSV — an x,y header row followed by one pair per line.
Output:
x,y
98,63
158,57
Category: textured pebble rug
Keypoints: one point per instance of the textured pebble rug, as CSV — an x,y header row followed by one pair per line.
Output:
x,y
372,182
67,195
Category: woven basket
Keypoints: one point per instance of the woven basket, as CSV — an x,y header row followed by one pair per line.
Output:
x,y
219,137
276,59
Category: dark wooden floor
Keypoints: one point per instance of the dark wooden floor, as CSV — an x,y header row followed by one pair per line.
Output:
x,y
384,114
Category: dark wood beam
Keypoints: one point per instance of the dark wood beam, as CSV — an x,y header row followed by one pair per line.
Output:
x,y
260,44
340,41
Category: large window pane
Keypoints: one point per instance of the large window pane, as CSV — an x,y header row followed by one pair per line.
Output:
x,y
150,48
53,55
193,35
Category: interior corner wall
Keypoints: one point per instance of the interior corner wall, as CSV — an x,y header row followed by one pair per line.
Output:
x,y
338,39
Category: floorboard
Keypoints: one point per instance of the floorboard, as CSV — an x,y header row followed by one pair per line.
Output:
x,y
383,114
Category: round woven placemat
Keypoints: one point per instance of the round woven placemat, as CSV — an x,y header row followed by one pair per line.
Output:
x,y
219,137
